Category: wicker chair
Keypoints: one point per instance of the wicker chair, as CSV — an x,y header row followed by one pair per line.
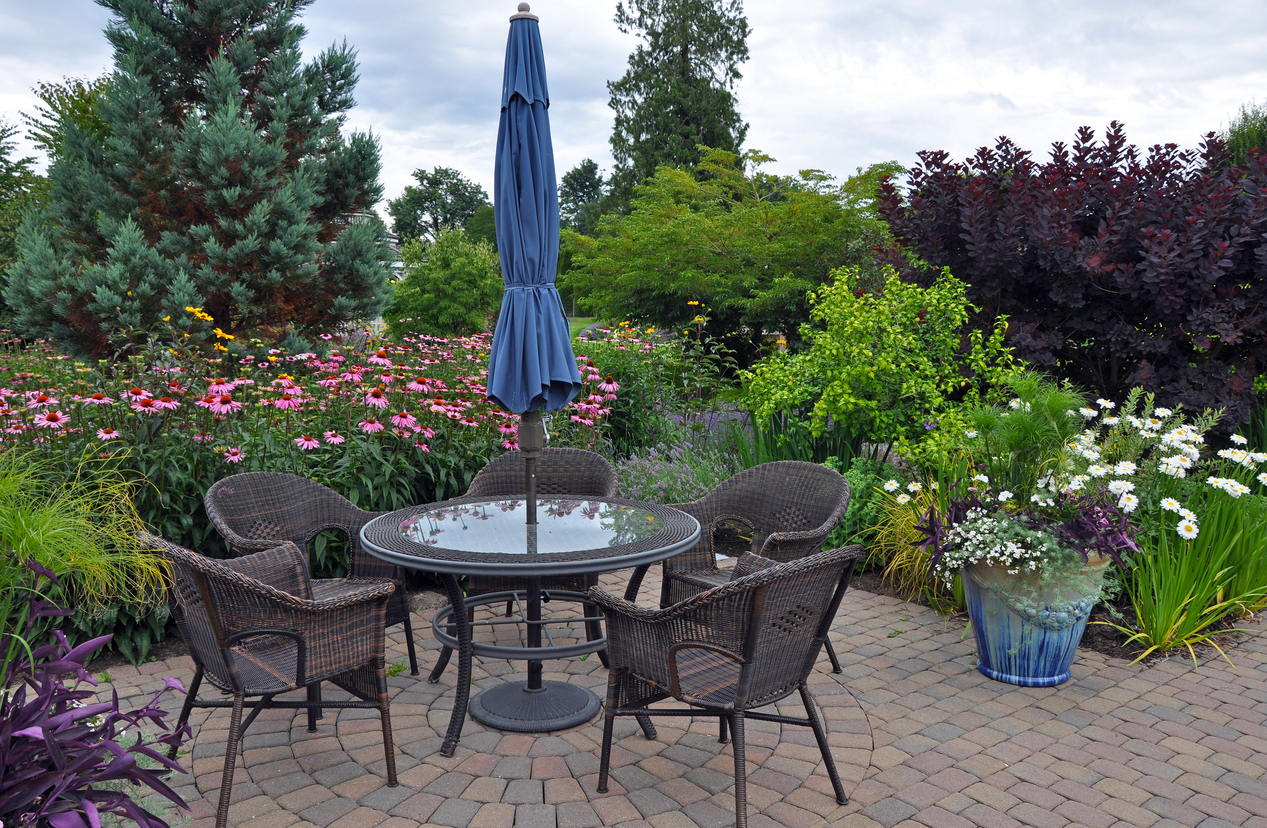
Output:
x,y
789,506
259,510
560,471
726,651
254,628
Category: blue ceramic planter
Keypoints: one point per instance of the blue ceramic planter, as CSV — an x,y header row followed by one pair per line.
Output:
x,y
1027,633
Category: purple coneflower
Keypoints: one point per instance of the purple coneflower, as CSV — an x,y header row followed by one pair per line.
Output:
x,y
145,405
166,403
288,402
307,443
421,385
510,445
376,398
334,438
107,434
326,337
224,404
38,400
138,393
371,426
380,358
328,382
51,419
97,399
421,446
405,420
233,455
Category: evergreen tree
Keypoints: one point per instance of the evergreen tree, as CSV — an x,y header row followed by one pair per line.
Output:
x,y
224,182
678,92
580,194
1247,131
443,200
20,190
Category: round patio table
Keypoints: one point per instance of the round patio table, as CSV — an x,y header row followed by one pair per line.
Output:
x,y
491,537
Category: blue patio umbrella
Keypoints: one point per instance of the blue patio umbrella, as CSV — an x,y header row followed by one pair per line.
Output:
x,y
531,367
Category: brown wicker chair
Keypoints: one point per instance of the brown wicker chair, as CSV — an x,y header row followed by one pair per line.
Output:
x,y
789,506
726,651
259,510
254,628
560,471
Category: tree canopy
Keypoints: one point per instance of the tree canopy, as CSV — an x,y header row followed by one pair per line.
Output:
x,y
225,182
20,189
678,92
580,194
725,241
443,200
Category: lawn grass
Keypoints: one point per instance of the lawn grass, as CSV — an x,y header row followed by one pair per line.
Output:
x,y
576,324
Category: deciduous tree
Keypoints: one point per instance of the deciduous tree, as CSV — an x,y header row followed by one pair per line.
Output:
x,y
443,200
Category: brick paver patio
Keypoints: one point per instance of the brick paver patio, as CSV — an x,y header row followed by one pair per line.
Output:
x,y
920,737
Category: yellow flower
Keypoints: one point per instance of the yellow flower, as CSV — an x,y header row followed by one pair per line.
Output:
x,y
692,302
285,376
696,319
192,309
221,334
650,330
167,318
781,341
270,359
220,347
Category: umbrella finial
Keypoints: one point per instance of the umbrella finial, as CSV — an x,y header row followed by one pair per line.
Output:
x,y
524,14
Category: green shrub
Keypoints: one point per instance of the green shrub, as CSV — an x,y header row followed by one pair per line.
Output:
x,y
882,365
452,287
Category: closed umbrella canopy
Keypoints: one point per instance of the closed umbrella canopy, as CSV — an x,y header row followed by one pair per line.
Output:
x,y
531,367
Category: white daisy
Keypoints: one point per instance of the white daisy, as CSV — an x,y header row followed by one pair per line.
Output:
x,y
1161,412
1170,504
1089,413
913,487
891,486
1111,421
1004,496
1118,487
903,499
1187,529
1127,503
970,434
1187,514
1239,440
1124,467
1103,403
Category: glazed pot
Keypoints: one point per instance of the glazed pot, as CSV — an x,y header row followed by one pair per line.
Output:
x,y
1028,628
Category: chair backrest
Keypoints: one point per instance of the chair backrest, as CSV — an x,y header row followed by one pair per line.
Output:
x,y
212,598
792,610
786,496
560,471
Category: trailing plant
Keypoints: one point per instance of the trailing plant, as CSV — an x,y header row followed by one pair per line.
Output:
x,y
65,762
1114,267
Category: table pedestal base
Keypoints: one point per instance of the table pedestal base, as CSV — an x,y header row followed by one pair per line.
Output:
x,y
556,706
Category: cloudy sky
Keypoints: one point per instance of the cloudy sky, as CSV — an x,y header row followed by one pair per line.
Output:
x,y
831,84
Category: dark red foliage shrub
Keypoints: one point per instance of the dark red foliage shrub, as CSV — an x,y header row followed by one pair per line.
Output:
x,y
1115,268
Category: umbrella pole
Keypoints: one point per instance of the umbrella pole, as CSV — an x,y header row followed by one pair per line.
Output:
x,y
532,438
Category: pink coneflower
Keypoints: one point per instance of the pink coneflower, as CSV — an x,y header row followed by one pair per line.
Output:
x,y
138,393
421,385
507,428
15,428
176,388
328,382
469,422
405,420
376,398
371,426
166,403
582,420
145,405
37,400
380,358
334,438
233,455
97,399
203,437
307,443
326,337
438,406
421,446
51,419
107,434
510,445
288,402
351,376
427,432
224,404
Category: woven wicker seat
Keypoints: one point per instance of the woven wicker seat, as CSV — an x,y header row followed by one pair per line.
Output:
x,y
727,651
259,510
789,506
254,628
560,471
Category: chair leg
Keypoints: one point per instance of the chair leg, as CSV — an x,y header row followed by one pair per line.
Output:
x,y
648,729
722,736
187,707
831,654
385,717
409,643
230,759
314,706
609,720
820,734
741,771
594,631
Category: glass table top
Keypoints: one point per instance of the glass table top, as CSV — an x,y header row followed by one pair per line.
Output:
x,y
563,525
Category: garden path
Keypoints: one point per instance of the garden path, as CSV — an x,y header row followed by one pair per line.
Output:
x,y
921,739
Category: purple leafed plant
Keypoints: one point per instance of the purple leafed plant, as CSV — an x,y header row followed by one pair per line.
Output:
x,y
60,758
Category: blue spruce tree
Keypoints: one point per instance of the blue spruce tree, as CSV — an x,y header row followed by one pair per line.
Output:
x,y
224,181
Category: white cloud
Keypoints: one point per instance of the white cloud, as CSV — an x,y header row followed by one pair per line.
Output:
x,y
829,85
